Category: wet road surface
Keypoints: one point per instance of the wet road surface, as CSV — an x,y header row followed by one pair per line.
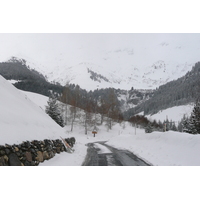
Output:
x,y
100,154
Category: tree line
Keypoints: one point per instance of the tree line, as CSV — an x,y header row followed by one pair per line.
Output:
x,y
103,102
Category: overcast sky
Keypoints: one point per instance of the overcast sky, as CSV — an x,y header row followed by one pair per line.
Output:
x,y
74,48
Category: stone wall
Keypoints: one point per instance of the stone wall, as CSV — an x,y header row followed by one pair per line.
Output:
x,y
31,153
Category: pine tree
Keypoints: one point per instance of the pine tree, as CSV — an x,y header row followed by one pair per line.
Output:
x,y
53,111
149,128
185,125
192,125
196,117
65,99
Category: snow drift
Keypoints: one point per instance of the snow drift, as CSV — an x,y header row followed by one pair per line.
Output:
x,y
21,119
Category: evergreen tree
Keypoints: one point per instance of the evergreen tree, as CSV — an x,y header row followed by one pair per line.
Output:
x,y
192,125
196,117
186,127
53,111
149,128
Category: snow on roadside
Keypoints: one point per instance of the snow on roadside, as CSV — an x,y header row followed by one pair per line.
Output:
x,y
161,148
68,159
157,148
102,148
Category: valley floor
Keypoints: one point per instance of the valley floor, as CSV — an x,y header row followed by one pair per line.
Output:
x,y
158,148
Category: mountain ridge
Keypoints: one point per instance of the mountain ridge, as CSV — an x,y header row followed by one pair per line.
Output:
x,y
92,76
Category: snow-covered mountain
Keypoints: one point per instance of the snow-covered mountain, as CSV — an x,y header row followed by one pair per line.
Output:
x,y
92,76
142,61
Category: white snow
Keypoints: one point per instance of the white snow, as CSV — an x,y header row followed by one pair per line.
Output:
x,y
157,148
38,99
21,119
102,148
161,148
175,113
13,81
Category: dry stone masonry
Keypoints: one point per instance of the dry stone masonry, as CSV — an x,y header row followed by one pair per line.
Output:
x,y
32,153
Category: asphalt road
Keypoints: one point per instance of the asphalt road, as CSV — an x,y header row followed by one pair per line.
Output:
x,y
105,155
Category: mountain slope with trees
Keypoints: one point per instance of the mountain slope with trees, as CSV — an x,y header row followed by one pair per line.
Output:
x,y
27,79
178,92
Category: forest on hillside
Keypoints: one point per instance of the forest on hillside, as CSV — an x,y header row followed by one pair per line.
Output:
x,y
28,79
178,92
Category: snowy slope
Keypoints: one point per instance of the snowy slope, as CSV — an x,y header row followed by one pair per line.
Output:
x,y
175,113
21,119
38,99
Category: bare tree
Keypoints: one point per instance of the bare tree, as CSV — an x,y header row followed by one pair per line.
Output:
x,y
88,113
113,112
73,113
65,99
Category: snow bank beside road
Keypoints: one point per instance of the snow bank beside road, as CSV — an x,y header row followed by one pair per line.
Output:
x,y
161,148
68,159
